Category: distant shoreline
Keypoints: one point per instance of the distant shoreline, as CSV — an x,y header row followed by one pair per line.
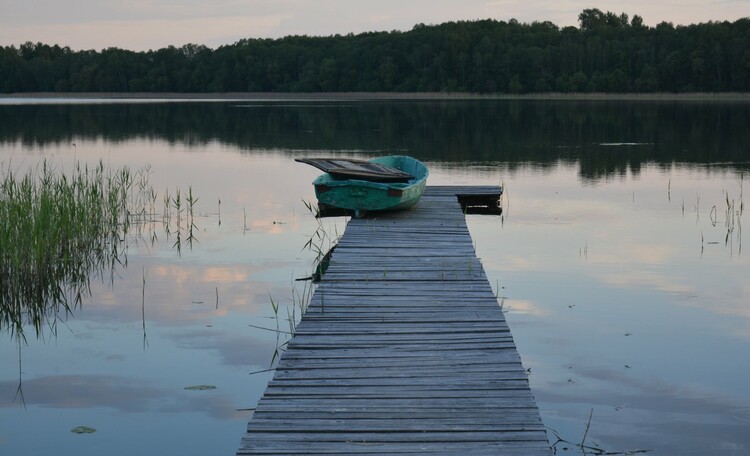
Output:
x,y
374,96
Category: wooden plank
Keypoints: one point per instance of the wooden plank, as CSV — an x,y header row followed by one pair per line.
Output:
x,y
447,364
403,349
496,403
389,416
389,376
380,448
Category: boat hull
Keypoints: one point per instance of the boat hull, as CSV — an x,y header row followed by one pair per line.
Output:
x,y
361,196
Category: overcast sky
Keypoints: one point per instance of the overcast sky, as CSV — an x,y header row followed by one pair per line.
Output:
x,y
153,24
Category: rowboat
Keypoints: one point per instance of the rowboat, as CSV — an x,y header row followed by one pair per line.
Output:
x,y
362,186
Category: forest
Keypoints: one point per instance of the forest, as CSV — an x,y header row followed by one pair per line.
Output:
x,y
607,52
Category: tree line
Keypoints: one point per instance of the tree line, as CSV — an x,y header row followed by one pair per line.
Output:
x,y
607,52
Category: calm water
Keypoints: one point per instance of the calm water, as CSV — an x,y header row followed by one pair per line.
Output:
x,y
621,268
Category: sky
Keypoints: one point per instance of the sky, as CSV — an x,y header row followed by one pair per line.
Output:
x,y
152,24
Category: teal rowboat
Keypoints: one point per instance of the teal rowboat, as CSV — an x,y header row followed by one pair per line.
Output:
x,y
381,184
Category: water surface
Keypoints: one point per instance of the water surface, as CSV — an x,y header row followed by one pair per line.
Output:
x,y
618,259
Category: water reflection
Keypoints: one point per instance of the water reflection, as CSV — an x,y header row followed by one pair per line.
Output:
x,y
81,391
197,306
606,139
617,305
59,231
621,292
699,421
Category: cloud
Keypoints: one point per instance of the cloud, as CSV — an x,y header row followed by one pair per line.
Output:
x,y
144,34
152,24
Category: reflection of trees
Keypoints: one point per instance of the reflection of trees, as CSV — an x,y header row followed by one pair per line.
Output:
x,y
513,132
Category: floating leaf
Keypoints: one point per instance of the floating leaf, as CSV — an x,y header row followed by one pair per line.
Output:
x,y
200,387
83,430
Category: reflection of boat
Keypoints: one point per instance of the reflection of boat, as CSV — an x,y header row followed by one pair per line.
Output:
x,y
383,183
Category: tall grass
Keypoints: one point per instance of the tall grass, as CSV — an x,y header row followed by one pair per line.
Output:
x,y
57,231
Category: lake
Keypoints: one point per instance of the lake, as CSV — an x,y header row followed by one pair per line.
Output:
x,y
618,260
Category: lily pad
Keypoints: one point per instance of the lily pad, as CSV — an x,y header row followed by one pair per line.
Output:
x,y
83,430
200,387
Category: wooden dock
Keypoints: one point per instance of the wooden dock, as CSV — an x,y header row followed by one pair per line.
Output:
x,y
403,350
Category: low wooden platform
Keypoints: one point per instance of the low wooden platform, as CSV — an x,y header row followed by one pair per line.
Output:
x,y
403,350
473,200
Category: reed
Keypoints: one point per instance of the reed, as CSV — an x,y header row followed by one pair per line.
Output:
x,y
669,191
191,200
742,182
58,230
143,309
312,208
582,447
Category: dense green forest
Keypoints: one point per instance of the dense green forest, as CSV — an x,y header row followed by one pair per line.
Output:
x,y
606,53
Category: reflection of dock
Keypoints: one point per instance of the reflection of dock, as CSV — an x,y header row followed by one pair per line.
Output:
x,y
402,350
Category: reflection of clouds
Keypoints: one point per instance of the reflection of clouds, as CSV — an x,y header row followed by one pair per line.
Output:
x,y
665,418
216,406
83,391
126,395
177,274
182,293
744,310
526,307
561,211
184,273
268,227
635,279
224,274
649,267
235,351
511,263
717,302
650,254
637,255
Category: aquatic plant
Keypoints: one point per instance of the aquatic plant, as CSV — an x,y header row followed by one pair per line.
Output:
x,y
83,430
584,448
59,230
54,231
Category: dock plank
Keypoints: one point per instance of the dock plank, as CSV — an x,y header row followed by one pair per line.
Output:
x,y
403,348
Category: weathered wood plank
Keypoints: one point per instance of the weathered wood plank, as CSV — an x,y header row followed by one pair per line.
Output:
x,y
394,376
399,418
403,349
406,364
324,405
380,448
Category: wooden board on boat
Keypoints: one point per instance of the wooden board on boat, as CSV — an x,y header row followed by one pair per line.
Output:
x,y
351,168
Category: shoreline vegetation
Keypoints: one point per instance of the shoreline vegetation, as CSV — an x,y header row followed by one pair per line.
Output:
x,y
607,53
743,97
60,228
57,229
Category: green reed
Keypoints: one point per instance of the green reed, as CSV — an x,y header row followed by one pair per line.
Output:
x,y
57,231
